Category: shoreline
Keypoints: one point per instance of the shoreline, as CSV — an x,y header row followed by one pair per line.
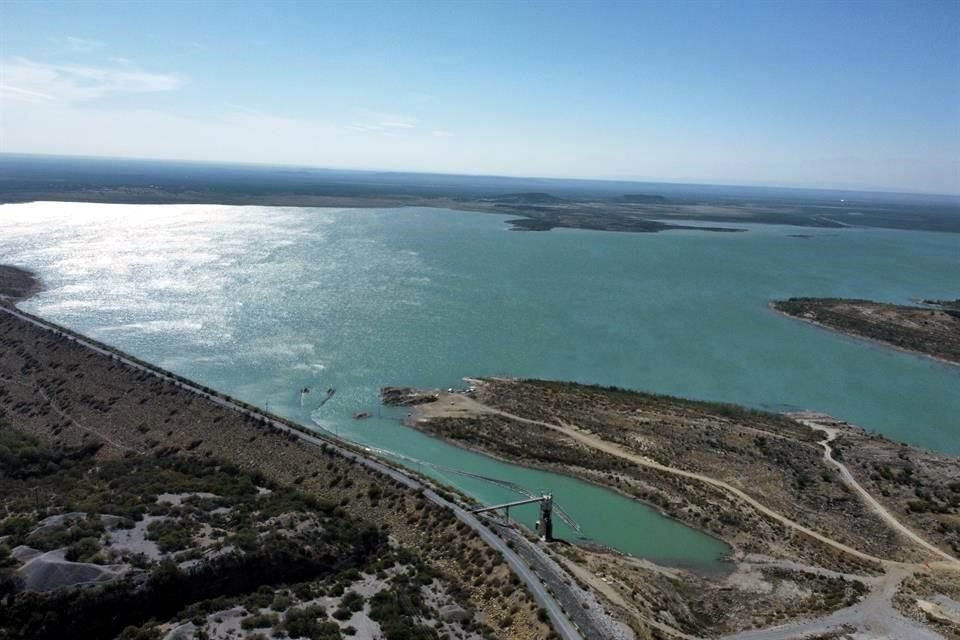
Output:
x,y
695,568
586,215
18,284
727,559
230,427
486,416
868,339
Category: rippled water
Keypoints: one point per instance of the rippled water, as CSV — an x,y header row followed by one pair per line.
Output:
x,y
261,301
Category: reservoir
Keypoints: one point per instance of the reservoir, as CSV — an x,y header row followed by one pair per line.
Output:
x,y
261,301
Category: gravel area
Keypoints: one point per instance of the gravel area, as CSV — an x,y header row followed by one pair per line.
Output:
x,y
583,607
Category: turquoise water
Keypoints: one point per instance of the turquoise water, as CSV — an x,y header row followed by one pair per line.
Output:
x,y
259,302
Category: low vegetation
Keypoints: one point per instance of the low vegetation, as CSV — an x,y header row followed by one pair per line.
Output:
x,y
143,433
933,330
779,576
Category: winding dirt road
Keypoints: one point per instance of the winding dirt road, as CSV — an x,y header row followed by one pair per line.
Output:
x,y
869,500
467,405
874,614
464,404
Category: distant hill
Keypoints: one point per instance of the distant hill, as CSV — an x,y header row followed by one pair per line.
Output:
x,y
527,198
643,198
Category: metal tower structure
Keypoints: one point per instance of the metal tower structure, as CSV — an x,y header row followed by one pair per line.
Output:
x,y
544,524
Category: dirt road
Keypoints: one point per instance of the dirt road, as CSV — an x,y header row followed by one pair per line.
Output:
x,y
461,405
869,500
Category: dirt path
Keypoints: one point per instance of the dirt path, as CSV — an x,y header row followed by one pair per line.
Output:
x,y
875,614
610,593
460,405
871,502
464,404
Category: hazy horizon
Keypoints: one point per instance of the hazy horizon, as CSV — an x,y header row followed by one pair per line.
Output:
x,y
637,181
852,96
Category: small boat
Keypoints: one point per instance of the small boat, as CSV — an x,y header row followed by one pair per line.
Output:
x,y
360,415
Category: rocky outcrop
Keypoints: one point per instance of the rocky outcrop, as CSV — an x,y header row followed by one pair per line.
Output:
x,y
406,396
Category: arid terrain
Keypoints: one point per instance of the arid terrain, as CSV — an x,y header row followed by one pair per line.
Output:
x,y
932,330
120,480
830,526
214,550
80,407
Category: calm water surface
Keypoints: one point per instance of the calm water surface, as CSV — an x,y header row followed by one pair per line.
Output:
x,y
259,302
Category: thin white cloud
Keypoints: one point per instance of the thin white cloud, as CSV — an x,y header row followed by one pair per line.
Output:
x,y
440,133
82,45
26,95
384,122
26,80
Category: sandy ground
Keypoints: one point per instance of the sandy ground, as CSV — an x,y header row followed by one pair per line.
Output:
x,y
135,541
226,624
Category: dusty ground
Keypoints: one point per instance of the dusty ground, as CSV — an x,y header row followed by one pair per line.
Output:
x,y
934,600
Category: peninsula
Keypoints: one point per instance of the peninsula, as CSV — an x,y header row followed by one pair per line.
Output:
x,y
833,529
932,330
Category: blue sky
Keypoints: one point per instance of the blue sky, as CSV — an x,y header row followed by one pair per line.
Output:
x,y
823,94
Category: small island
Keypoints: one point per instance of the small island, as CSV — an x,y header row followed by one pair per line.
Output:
x,y
932,330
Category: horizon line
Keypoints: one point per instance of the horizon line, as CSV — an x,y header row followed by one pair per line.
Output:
x,y
611,179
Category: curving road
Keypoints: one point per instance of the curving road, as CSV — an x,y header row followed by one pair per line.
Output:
x,y
561,624
619,451
871,502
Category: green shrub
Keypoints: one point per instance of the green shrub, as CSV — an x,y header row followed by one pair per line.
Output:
x,y
83,550
281,602
260,621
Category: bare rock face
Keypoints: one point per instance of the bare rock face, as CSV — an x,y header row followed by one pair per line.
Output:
x,y
406,396
453,613
51,571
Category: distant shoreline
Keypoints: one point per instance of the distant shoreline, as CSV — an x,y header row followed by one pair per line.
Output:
x,y
619,217
532,204
874,341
